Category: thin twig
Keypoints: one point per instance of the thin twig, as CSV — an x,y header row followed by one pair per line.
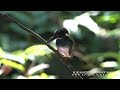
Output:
x,y
39,38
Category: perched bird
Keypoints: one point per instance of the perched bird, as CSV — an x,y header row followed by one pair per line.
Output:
x,y
64,43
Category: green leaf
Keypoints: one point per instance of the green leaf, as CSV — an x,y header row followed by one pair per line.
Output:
x,y
38,50
13,64
20,53
114,75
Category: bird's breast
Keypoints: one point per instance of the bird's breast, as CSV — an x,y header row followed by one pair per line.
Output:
x,y
64,51
64,46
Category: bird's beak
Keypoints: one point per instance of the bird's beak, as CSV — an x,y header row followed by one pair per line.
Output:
x,y
51,39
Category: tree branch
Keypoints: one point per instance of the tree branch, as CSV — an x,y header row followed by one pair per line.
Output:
x,y
42,40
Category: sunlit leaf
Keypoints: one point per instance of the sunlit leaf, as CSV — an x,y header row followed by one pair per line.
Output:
x,y
34,77
114,75
38,50
14,58
21,77
109,64
37,68
13,64
41,76
20,53
44,75
110,18
51,77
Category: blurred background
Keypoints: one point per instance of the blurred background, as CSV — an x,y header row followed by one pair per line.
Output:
x,y
96,35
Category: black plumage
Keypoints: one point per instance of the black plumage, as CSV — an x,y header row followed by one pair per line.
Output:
x,y
63,42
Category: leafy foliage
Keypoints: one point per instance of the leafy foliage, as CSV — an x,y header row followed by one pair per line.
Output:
x,y
96,49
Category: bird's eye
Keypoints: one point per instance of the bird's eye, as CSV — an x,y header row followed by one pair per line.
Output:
x,y
66,34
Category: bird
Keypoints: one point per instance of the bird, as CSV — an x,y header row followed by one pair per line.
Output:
x,y
64,43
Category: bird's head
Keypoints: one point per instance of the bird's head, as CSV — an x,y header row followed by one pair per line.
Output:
x,y
60,33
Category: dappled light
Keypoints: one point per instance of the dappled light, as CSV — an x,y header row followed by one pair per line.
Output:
x,y
95,53
37,68
71,24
